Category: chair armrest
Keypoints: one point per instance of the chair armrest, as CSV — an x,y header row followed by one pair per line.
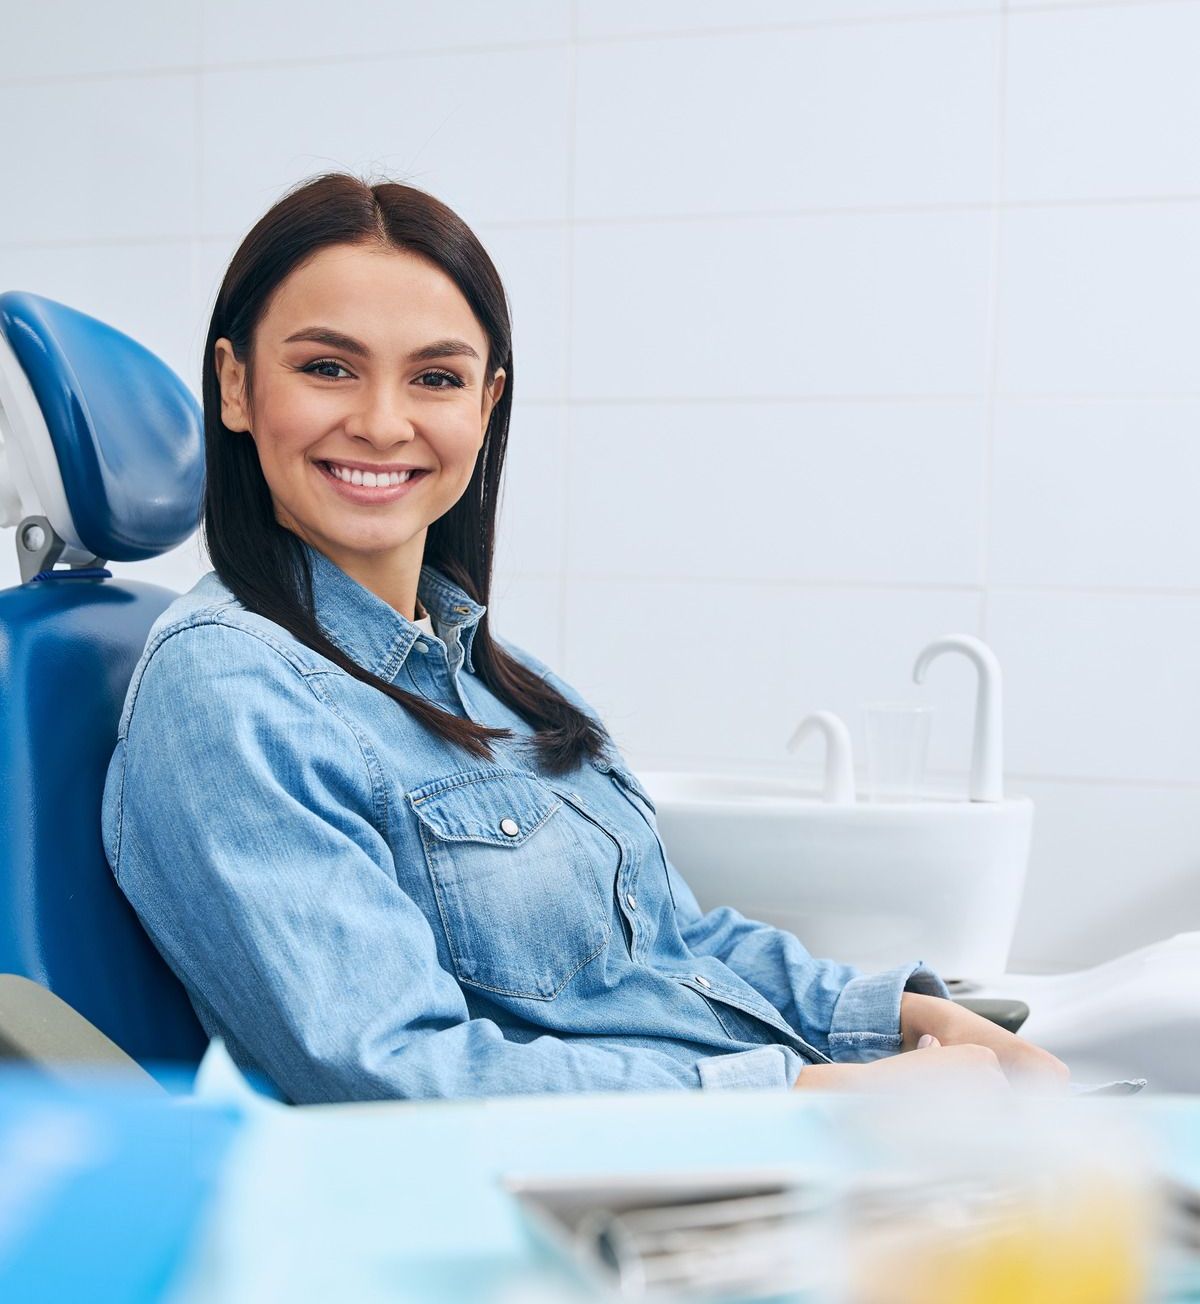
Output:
x,y
42,1031
1009,1014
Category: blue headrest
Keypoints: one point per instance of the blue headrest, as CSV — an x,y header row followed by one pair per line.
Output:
x,y
101,439
127,433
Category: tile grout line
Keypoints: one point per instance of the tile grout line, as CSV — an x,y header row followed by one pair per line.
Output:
x,y
631,579
568,309
931,208
995,275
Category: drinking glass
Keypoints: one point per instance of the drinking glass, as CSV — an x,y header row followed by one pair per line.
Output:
x,y
897,745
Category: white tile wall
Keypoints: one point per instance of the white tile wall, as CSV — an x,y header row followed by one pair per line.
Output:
x,y
1100,299
81,39
910,477
634,17
839,325
270,31
1114,867
449,123
1100,685
1094,494
533,493
1103,102
700,149
99,159
782,306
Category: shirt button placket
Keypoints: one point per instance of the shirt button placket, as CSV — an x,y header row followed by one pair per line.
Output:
x,y
630,902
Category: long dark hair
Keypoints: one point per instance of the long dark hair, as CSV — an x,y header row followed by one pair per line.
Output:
x,y
263,563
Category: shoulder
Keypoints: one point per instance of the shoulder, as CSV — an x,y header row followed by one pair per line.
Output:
x,y
210,605
206,647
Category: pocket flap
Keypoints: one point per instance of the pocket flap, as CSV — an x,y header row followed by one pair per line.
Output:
x,y
497,805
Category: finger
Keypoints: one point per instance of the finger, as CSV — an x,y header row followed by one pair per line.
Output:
x,y
1031,1062
928,1040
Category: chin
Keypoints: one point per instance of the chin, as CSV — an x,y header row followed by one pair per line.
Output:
x,y
371,544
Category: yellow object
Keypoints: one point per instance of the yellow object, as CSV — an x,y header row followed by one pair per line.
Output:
x,y
1080,1246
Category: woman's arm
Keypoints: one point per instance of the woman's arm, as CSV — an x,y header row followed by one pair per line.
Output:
x,y
848,1014
845,1013
243,823
867,1015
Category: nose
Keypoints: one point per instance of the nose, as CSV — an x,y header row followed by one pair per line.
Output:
x,y
381,417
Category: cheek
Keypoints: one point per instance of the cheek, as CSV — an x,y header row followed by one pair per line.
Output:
x,y
285,427
463,440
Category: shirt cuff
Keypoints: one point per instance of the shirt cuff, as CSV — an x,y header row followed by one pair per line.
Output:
x,y
765,1067
866,1016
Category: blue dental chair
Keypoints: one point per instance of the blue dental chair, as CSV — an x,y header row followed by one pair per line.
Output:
x,y
101,458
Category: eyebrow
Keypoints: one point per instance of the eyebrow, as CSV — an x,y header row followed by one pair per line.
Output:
x,y
448,348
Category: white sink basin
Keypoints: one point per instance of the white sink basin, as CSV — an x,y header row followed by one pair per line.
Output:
x,y
875,885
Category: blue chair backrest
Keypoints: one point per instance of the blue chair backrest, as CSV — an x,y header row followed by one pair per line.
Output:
x,y
101,459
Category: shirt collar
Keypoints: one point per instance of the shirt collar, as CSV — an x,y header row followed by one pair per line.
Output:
x,y
373,632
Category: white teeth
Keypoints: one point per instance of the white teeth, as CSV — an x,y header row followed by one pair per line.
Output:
x,y
369,479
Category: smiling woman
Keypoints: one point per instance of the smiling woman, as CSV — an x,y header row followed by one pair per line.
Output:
x,y
399,857
362,332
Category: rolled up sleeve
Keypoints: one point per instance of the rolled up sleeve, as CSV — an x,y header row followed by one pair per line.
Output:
x,y
764,1068
866,1015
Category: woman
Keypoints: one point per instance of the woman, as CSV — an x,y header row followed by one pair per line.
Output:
x,y
388,853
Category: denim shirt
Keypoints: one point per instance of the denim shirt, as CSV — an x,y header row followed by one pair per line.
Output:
x,y
362,910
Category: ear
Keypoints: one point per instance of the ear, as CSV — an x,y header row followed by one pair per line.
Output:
x,y
492,396
231,375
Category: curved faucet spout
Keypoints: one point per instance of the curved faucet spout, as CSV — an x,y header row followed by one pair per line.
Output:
x,y
987,752
839,754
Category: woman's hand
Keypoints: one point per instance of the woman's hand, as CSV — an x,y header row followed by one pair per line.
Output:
x,y
973,1066
954,1025
951,1042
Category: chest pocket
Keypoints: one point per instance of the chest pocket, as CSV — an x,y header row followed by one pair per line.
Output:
x,y
519,898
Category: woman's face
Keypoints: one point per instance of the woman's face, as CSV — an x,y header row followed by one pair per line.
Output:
x,y
366,358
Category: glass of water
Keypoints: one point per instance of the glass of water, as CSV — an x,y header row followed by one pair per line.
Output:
x,y
897,745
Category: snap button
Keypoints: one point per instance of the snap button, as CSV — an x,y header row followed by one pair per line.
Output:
x,y
509,826
422,647
700,978
631,900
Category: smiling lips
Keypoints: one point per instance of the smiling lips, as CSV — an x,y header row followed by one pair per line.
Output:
x,y
368,486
